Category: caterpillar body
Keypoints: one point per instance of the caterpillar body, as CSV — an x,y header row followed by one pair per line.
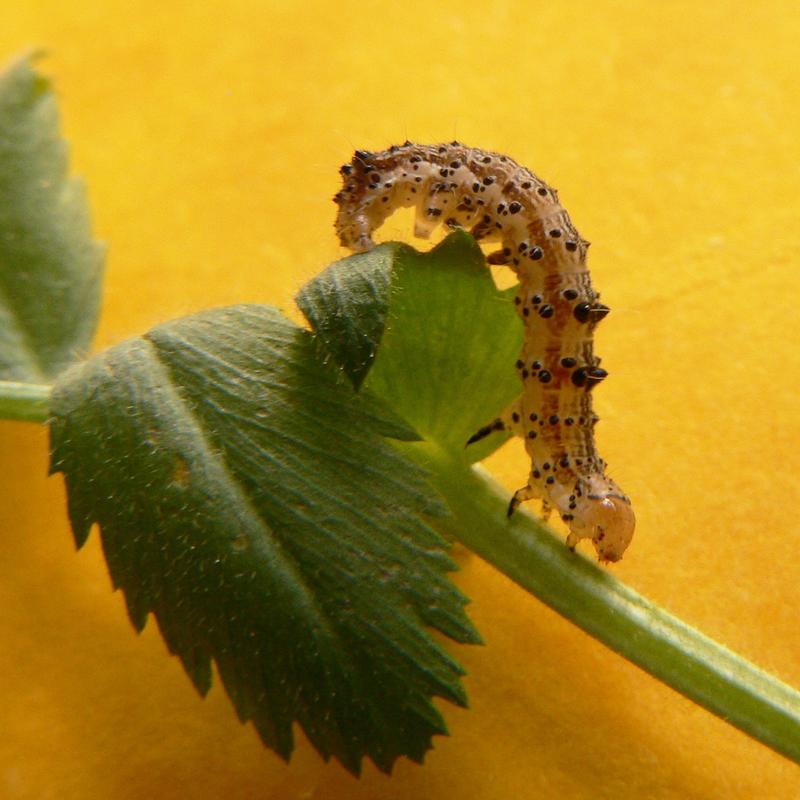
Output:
x,y
499,200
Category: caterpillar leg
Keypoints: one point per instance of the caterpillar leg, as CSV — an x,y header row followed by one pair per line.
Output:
x,y
572,540
527,492
424,227
481,433
431,212
532,491
499,258
483,230
509,420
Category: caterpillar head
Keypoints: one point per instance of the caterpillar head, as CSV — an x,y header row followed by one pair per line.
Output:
x,y
353,228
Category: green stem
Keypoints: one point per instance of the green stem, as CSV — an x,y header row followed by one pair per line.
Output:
x,y
28,402
680,656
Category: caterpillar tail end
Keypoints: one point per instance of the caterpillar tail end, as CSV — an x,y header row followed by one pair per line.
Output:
x,y
609,522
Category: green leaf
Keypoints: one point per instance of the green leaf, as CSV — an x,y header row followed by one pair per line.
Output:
x,y
441,328
448,337
347,306
50,268
247,498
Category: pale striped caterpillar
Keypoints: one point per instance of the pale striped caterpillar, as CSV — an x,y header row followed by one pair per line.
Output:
x,y
499,200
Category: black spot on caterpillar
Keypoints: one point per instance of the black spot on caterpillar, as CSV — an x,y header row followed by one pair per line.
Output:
x,y
498,200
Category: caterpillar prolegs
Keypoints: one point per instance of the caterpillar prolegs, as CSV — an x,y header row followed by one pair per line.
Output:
x,y
498,200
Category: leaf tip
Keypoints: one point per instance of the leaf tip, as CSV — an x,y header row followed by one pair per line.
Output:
x,y
462,243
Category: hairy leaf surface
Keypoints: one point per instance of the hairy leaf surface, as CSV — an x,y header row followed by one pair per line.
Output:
x,y
247,497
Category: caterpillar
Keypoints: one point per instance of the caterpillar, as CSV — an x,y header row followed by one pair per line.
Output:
x,y
498,200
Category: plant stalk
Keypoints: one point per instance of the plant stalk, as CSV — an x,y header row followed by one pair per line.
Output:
x,y
701,669
26,402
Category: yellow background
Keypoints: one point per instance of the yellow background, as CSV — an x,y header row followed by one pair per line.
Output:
x,y
210,137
